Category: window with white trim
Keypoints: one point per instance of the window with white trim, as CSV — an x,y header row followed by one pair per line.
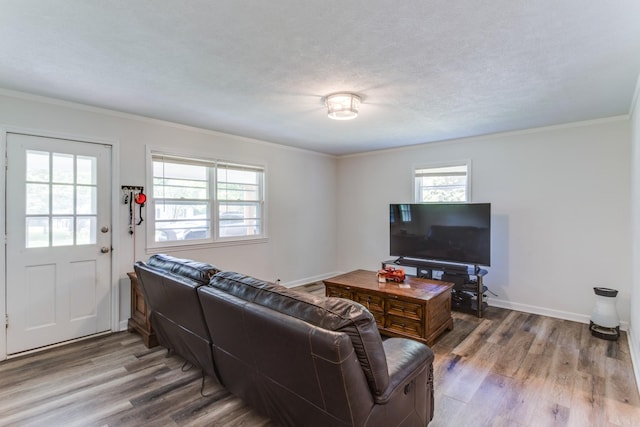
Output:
x,y
204,201
444,183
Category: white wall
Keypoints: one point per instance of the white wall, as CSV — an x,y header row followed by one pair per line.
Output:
x,y
634,322
560,211
301,188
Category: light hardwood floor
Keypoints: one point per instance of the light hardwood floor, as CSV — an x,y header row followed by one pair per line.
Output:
x,y
507,369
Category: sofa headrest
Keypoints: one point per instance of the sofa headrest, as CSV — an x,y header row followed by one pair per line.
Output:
x,y
201,272
335,314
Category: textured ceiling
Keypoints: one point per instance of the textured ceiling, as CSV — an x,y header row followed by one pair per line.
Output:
x,y
427,70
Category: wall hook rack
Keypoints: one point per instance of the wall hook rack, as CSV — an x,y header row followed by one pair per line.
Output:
x,y
130,192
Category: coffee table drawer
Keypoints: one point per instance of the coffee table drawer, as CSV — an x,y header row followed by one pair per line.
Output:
x,y
404,326
332,291
372,302
404,309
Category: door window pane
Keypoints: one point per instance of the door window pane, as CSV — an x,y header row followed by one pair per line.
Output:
x,y
37,232
37,166
86,203
62,231
37,199
86,170
62,199
86,230
62,168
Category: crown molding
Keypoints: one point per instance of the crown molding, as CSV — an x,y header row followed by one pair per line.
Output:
x,y
484,137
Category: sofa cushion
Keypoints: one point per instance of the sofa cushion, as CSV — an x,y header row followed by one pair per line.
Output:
x,y
200,272
335,314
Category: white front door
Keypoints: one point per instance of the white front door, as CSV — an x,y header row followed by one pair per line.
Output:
x,y
58,240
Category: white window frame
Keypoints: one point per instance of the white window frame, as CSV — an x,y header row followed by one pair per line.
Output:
x,y
214,240
435,166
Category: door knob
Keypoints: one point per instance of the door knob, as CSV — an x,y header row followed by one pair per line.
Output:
x,y
104,250
105,229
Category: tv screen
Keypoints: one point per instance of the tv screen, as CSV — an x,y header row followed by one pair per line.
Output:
x,y
449,232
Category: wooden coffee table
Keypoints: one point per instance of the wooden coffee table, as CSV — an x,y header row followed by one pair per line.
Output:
x,y
417,308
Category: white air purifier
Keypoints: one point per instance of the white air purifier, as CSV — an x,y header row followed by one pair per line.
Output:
x,y
605,322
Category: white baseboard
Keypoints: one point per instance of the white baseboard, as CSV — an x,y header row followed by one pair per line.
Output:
x,y
558,314
123,326
308,280
634,350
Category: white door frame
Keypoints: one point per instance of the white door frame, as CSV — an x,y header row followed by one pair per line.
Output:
x,y
115,225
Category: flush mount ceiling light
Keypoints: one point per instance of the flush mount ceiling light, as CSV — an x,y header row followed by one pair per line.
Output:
x,y
343,106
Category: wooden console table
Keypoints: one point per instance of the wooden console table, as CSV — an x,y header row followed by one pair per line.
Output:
x,y
416,308
139,320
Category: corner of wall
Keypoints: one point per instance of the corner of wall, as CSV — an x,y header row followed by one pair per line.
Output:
x,y
3,337
634,321
634,350
634,101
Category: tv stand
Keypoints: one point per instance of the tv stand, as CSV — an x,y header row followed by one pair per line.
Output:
x,y
468,292
437,266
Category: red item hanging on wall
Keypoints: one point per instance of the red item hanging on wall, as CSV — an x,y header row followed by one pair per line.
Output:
x,y
141,198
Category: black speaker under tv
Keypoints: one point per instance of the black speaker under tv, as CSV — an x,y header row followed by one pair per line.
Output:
x,y
449,232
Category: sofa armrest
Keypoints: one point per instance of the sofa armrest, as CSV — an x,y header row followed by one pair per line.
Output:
x,y
405,359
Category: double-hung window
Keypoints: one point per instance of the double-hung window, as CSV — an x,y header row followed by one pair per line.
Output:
x,y
204,201
442,183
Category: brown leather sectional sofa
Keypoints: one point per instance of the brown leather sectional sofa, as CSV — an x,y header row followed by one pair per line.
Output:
x,y
300,359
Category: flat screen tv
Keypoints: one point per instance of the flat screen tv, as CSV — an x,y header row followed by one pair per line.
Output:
x,y
450,232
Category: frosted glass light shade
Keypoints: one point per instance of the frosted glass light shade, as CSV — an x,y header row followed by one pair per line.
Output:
x,y
343,106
